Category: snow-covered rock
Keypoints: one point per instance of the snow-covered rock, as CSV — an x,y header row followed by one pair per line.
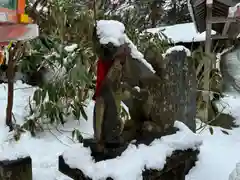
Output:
x,y
141,157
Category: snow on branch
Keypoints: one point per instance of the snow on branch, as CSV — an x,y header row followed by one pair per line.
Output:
x,y
141,157
111,31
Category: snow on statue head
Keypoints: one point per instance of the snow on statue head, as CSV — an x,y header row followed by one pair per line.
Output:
x,y
110,31
110,34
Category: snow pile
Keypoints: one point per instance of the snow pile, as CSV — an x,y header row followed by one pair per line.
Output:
x,y
177,48
9,149
174,33
111,31
235,175
219,152
71,48
234,11
141,157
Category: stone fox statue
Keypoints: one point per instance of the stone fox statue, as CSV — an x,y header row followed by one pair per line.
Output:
x,y
107,123
153,111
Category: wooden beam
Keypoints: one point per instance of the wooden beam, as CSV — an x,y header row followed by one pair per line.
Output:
x,y
228,2
219,37
207,60
217,20
226,27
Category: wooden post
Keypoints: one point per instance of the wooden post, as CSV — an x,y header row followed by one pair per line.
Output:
x,y
207,60
10,78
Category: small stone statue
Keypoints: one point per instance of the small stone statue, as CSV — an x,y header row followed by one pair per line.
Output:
x,y
107,123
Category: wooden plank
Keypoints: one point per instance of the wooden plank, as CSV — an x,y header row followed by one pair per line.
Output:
x,y
197,3
226,27
220,36
207,62
216,20
227,2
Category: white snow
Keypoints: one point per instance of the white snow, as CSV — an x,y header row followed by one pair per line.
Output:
x,y
71,48
137,88
177,33
140,157
111,31
177,48
234,11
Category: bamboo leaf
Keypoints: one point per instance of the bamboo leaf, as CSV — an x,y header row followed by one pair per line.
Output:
x,y
37,96
83,113
211,130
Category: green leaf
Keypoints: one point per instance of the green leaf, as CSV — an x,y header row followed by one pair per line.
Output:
x,y
37,96
83,113
211,130
76,133
73,133
44,93
224,132
61,118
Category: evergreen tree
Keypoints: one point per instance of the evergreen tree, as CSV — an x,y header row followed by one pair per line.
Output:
x,y
177,12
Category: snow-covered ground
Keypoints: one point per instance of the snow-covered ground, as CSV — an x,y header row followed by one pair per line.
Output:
x,y
218,157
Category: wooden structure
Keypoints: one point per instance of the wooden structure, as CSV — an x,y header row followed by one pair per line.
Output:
x,y
215,15
215,12
14,23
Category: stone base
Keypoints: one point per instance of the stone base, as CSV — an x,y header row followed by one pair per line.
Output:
x,y
19,169
112,150
177,166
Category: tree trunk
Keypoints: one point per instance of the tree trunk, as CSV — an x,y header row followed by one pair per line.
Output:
x,y
10,78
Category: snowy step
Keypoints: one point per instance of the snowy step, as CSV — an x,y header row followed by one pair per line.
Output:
x,y
17,169
176,167
170,157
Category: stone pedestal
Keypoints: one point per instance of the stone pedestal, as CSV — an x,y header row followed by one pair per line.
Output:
x,y
176,167
19,169
112,150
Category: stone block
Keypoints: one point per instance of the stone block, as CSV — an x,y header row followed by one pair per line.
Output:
x,y
176,167
19,169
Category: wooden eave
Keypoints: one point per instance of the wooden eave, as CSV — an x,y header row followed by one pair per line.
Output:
x,y
219,9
